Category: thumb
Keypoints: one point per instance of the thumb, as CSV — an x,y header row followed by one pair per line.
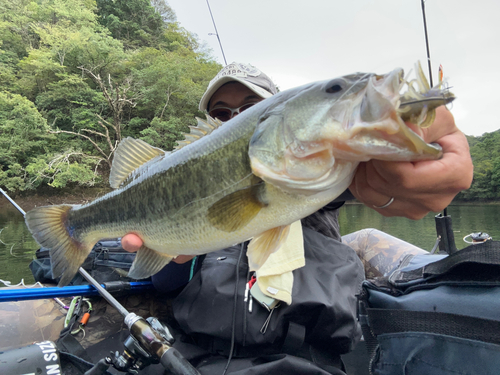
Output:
x,y
131,242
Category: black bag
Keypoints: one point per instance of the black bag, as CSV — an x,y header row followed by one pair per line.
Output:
x,y
435,314
107,261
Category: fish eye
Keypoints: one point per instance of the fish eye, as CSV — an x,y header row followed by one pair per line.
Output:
x,y
334,86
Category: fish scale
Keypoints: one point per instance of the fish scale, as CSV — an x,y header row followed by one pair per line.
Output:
x,y
275,163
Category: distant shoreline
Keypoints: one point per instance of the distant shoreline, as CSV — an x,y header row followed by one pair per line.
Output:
x,y
29,200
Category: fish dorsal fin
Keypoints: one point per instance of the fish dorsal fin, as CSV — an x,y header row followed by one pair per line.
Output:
x,y
129,155
263,245
237,209
202,129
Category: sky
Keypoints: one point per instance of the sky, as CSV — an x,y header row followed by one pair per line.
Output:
x,y
296,42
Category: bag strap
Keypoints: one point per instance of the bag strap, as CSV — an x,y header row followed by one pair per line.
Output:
x,y
487,253
383,321
294,339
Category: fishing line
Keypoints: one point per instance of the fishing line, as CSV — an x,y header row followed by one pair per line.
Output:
x,y
11,248
445,211
21,283
1,230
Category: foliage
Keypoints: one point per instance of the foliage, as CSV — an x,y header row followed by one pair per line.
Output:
x,y
61,170
23,136
163,9
77,76
164,133
135,22
485,152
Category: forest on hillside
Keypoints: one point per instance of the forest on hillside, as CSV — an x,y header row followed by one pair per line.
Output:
x,y
77,76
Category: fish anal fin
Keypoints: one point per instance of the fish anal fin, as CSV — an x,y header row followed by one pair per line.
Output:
x,y
237,209
49,227
263,245
147,262
129,155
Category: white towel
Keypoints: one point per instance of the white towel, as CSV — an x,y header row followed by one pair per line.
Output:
x,y
275,277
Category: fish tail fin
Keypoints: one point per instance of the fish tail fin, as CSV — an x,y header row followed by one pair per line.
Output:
x,y
49,227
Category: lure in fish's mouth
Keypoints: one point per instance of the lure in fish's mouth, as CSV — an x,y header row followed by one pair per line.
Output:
x,y
419,101
389,118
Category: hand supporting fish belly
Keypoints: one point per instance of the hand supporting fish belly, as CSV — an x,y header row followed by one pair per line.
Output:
x,y
273,164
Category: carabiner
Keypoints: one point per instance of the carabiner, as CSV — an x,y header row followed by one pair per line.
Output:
x,y
85,318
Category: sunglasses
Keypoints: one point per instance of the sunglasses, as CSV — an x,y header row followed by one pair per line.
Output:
x,y
225,114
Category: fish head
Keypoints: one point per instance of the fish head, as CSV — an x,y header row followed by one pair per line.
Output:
x,y
311,138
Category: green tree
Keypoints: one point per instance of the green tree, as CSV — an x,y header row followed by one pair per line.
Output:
x,y
23,137
164,10
77,76
485,152
68,37
134,22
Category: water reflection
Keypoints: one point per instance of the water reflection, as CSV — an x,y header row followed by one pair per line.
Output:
x,y
466,219
17,247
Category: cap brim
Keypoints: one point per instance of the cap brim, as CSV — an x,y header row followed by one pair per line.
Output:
x,y
222,80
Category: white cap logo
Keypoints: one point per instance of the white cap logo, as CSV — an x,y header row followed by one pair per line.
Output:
x,y
237,70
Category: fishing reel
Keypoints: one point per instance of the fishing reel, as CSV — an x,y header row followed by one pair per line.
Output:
x,y
149,342
134,357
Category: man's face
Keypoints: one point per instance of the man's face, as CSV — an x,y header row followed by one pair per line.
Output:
x,y
231,99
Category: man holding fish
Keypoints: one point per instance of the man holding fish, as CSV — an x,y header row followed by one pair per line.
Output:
x,y
307,335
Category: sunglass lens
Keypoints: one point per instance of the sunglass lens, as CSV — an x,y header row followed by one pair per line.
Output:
x,y
222,114
246,106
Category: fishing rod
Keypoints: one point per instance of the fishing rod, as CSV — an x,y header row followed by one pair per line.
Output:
x,y
12,201
150,341
147,334
444,230
427,42
68,291
216,33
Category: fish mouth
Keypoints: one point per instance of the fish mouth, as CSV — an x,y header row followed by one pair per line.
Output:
x,y
369,120
393,113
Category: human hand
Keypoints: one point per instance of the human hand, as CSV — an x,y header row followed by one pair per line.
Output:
x,y
132,242
422,186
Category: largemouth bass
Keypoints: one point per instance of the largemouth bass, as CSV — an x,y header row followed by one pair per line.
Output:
x,y
275,163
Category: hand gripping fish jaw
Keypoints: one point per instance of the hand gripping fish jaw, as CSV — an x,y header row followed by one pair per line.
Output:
x,y
355,118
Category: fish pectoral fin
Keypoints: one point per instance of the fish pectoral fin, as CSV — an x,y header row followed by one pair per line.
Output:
x,y
237,209
129,155
263,245
147,262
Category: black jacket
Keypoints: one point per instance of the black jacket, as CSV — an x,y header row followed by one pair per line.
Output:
x,y
322,314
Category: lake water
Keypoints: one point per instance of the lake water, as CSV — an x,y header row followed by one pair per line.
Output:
x,y
17,247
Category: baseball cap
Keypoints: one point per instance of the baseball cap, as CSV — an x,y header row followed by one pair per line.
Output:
x,y
245,74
